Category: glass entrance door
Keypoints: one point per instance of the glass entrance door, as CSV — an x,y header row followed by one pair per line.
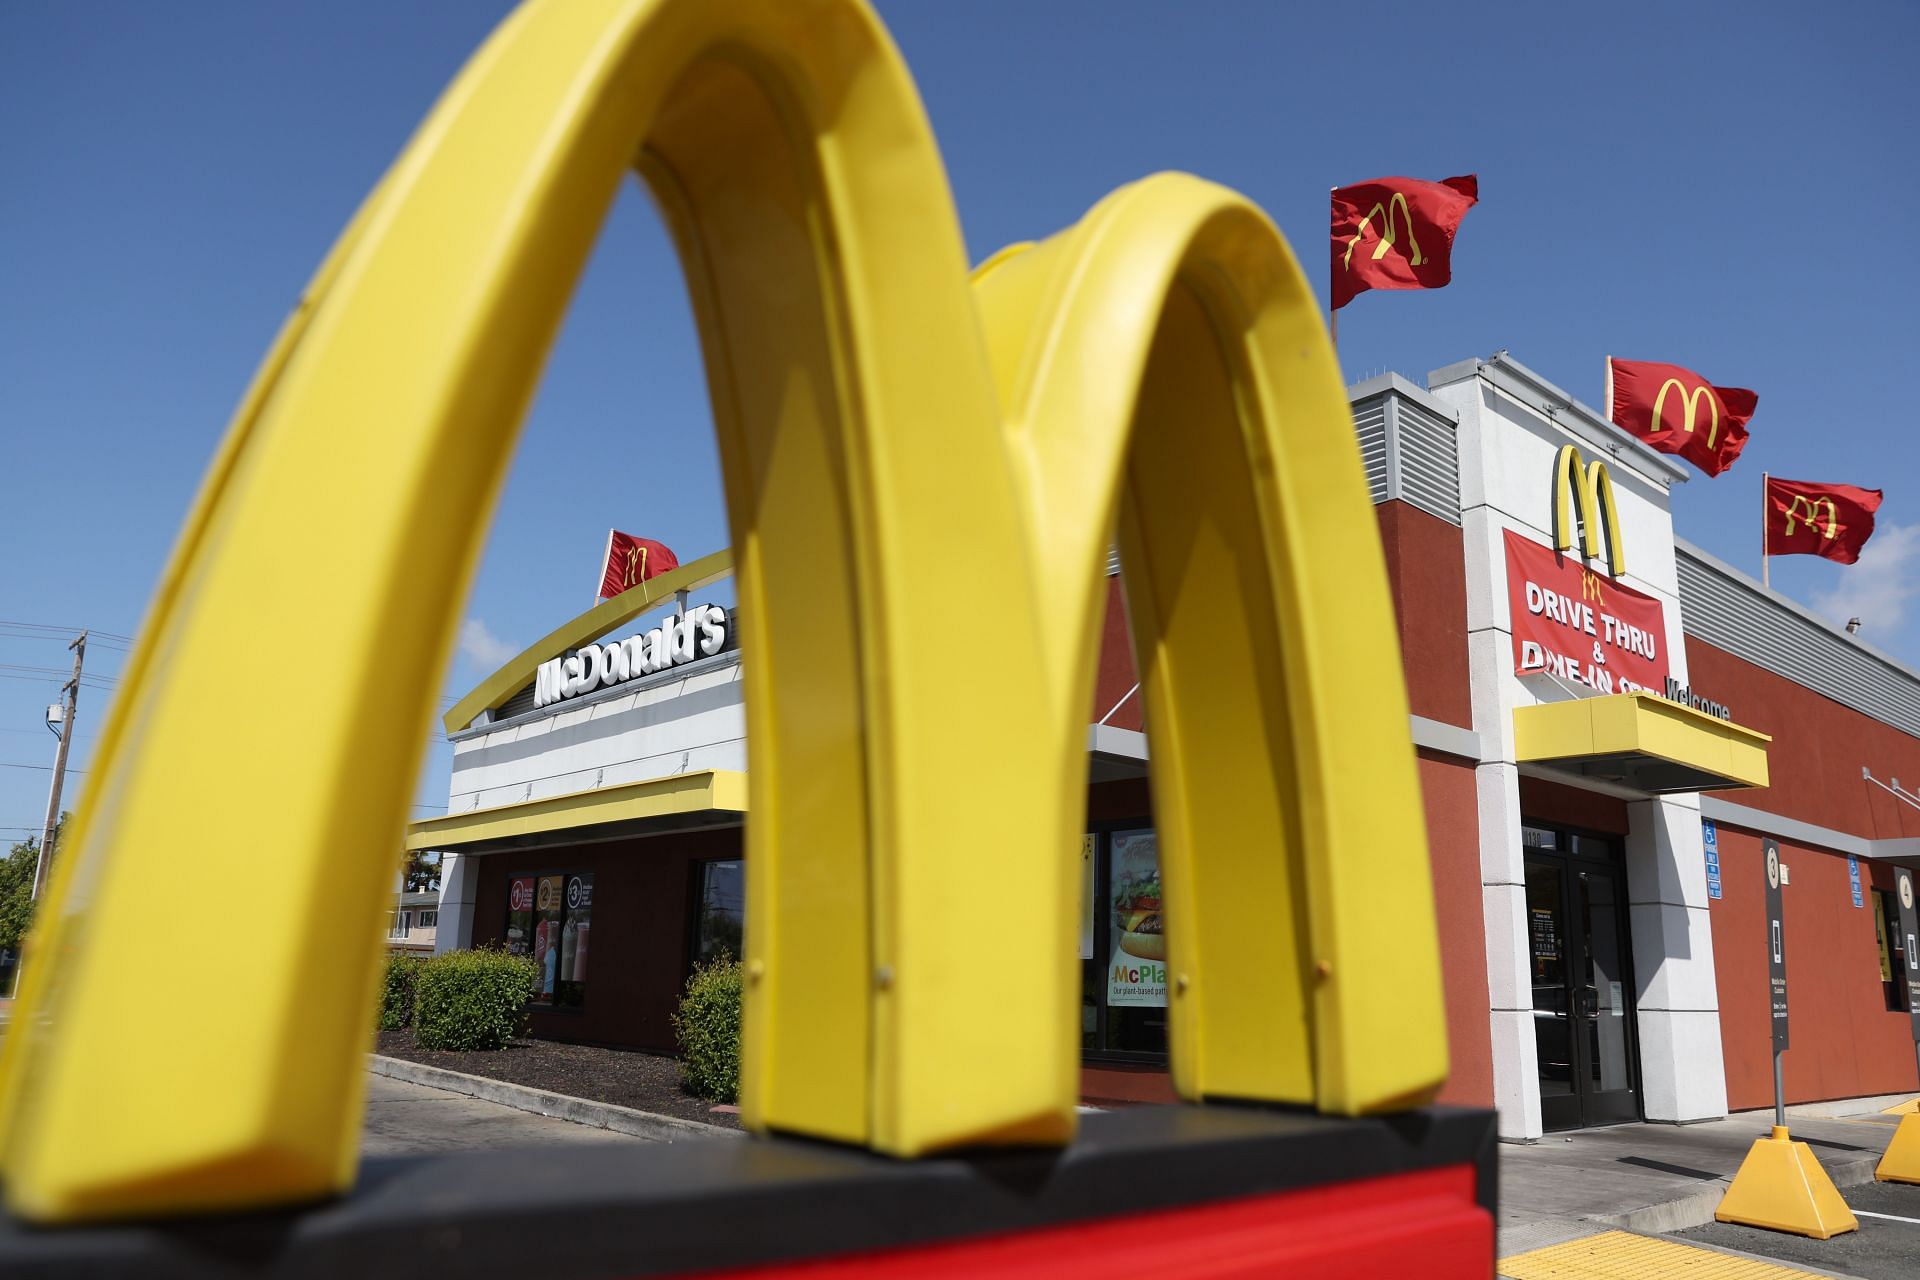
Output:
x,y
1582,989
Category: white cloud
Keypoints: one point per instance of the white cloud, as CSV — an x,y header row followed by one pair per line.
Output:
x,y
482,647
1880,587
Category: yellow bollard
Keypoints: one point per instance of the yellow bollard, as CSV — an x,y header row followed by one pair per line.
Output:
x,y
1901,1163
1781,1186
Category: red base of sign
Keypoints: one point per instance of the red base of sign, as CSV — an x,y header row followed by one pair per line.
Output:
x,y
1426,1223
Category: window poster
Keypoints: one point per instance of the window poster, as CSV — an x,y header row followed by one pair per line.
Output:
x,y
520,916
1137,973
547,904
571,989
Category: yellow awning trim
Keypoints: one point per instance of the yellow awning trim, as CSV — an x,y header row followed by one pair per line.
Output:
x,y
685,793
1642,741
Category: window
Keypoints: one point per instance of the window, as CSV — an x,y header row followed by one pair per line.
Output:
x,y
397,927
1893,952
1123,1002
427,919
550,917
719,919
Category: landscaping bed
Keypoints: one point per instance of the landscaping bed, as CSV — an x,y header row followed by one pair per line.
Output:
x,y
621,1077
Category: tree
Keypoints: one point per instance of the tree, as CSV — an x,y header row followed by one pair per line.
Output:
x,y
16,887
423,871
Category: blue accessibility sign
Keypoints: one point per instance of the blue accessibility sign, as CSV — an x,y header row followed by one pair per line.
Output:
x,y
1710,841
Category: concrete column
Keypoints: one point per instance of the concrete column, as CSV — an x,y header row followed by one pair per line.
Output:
x,y
459,887
1682,1072
1503,893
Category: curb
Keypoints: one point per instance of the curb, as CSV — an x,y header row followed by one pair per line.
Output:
x,y
1696,1210
595,1115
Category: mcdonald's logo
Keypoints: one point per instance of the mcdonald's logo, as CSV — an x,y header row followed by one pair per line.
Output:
x,y
1587,488
1808,511
1690,405
1385,211
1590,588
1160,367
636,567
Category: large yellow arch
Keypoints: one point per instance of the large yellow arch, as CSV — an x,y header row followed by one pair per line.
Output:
x,y
1163,361
273,724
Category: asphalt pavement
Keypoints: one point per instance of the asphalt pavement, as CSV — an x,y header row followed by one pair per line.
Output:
x,y
412,1119
1886,1247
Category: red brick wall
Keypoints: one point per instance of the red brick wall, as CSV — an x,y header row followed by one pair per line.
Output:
x,y
1453,842
1845,1042
1427,573
1818,750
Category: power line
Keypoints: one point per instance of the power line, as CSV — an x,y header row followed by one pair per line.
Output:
x,y
43,768
63,632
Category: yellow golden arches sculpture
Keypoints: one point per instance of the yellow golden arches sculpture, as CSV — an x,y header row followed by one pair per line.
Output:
x,y
887,435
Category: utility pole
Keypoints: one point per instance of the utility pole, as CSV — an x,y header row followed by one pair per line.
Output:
x,y
79,647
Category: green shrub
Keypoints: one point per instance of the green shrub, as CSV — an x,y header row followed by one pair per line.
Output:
x,y
396,990
707,1025
472,999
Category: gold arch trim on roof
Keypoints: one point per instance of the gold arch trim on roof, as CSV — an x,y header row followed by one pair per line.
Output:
x,y
888,433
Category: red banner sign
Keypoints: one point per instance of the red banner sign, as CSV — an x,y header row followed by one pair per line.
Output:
x,y
1581,626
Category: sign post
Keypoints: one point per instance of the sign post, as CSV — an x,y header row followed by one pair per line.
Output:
x,y
1901,1163
1781,1186
1776,978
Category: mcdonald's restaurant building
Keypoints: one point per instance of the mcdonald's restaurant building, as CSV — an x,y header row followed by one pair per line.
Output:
x,y
1611,725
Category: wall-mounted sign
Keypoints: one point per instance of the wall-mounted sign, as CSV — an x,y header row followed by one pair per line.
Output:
x,y
1710,841
1574,624
700,632
1686,697
1853,880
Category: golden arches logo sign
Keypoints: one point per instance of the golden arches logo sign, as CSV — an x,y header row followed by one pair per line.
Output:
x,y
1385,212
1160,367
1807,510
1690,402
1583,505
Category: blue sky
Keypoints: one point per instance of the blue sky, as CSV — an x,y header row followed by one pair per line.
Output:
x,y
1730,187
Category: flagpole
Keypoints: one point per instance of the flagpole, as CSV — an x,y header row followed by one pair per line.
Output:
x,y
1764,512
604,557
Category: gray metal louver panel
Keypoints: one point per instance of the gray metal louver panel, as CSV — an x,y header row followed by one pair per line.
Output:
x,y
1729,612
1408,447
1370,423
1429,461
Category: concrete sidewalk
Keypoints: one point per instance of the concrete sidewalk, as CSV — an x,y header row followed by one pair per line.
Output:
x,y
1662,1177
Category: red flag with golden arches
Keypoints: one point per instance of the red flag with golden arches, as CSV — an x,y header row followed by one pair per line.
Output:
x,y
1397,233
631,561
1808,519
1675,410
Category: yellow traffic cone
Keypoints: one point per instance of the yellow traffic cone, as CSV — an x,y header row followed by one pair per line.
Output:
x,y
1901,1163
1782,1187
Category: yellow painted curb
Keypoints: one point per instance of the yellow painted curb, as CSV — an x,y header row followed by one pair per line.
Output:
x,y
1621,1255
1782,1187
1907,1108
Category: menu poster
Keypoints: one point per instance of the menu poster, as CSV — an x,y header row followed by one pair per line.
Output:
x,y
547,904
1137,972
520,916
571,991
